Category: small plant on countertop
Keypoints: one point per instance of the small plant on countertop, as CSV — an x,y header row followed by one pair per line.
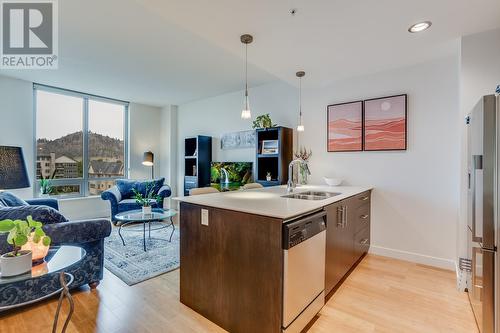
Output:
x,y
149,195
263,121
303,154
20,231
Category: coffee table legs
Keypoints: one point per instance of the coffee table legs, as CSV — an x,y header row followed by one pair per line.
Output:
x,y
144,231
64,293
173,229
144,235
120,231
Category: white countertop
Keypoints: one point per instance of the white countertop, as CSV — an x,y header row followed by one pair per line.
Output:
x,y
268,201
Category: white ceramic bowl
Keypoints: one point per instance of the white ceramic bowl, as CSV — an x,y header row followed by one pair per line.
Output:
x,y
332,181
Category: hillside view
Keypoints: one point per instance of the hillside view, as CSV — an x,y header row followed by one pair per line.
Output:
x,y
71,145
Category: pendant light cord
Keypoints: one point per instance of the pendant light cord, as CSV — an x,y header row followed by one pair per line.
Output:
x,y
246,70
300,99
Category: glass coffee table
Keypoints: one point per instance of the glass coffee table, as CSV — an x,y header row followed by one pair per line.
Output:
x,y
157,215
42,275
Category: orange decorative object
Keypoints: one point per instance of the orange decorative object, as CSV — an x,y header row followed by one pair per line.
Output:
x,y
38,250
39,270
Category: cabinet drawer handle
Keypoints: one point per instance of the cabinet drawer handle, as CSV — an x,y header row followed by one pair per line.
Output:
x,y
364,217
364,198
363,241
340,216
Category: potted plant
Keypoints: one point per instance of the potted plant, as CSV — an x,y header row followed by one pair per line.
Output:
x,y
46,185
268,176
263,121
147,199
45,188
19,261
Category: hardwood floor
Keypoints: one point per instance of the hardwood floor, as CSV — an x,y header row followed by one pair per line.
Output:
x,y
388,295
381,295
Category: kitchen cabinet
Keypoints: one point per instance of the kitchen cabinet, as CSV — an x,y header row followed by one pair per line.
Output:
x,y
347,237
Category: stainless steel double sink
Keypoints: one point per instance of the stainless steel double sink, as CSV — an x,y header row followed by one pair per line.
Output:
x,y
311,195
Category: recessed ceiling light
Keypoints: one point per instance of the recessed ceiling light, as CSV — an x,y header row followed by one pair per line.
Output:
x,y
420,26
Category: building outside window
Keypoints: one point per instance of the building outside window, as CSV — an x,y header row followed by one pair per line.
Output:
x,y
81,141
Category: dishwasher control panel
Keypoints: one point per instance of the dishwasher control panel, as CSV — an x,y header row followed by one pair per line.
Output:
x,y
303,228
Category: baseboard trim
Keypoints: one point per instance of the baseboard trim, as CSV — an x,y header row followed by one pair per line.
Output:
x,y
414,257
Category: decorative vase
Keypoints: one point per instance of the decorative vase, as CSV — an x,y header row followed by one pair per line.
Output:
x,y
15,265
147,210
38,250
304,173
268,178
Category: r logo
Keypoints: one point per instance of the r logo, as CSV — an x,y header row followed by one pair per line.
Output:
x,y
27,28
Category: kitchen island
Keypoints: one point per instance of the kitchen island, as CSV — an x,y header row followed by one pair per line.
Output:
x,y
246,265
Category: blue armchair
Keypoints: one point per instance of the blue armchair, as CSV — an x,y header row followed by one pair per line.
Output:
x,y
121,196
86,234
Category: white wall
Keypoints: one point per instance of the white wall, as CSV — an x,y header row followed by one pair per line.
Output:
x,y
479,75
415,202
145,131
16,122
16,128
480,67
168,139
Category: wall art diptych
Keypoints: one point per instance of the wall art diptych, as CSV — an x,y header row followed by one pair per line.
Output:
x,y
377,124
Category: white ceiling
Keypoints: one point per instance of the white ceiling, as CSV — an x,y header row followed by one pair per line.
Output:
x,y
173,51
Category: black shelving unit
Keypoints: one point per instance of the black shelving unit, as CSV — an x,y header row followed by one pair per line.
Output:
x,y
197,161
276,164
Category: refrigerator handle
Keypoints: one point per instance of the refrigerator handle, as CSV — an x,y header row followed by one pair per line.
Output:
x,y
477,165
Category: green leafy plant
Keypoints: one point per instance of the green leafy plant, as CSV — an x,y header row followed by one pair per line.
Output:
x,y
263,121
45,186
20,231
149,194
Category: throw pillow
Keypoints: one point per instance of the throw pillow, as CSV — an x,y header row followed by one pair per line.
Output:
x,y
11,200
44,214
127,186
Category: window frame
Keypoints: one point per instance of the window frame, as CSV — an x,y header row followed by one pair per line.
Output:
x,y
84,181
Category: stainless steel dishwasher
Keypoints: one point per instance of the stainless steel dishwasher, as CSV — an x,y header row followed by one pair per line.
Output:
x,y
304,246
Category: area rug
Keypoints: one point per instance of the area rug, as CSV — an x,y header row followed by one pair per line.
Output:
x,y
130,263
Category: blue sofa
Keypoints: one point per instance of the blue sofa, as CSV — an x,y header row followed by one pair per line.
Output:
x,y
86,234
121,196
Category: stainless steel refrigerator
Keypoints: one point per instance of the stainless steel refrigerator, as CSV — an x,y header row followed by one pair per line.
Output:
x,y
483,152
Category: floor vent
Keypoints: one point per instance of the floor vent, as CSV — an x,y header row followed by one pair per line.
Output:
x,y
463,272
465,264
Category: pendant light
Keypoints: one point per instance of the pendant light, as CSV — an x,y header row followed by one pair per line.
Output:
x,y
300,126
245,113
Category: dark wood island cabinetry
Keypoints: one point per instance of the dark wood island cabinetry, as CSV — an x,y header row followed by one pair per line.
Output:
x,y
231,270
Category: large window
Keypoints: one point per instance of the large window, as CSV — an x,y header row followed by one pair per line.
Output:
x,y
81,143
